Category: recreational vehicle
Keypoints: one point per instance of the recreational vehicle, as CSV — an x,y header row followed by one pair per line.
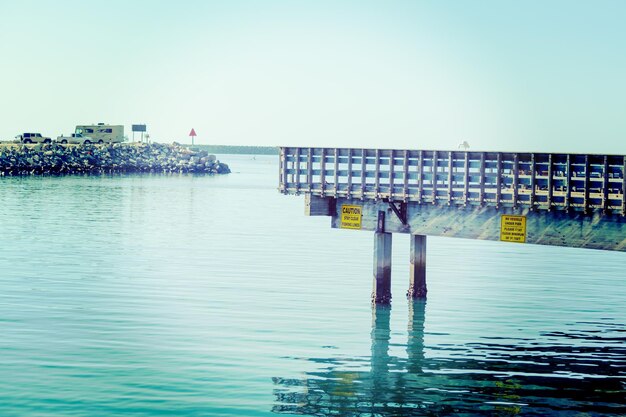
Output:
x,y
101,133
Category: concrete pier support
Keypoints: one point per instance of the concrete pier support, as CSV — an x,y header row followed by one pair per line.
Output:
x,y
417,276
381,292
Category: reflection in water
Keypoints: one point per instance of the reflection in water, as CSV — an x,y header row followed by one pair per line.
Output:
x,y
580,373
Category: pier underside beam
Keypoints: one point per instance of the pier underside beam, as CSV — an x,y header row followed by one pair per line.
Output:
x,y
417,269
592,230
381,292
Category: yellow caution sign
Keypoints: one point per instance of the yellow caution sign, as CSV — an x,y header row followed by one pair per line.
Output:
x,y
513,228
351,217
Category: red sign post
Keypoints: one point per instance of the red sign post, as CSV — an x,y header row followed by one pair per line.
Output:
x,y
193,135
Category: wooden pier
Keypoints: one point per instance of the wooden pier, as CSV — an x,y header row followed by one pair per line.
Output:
x,y
575,200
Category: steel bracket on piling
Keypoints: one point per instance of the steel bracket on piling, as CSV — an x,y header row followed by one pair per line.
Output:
x,y
400,212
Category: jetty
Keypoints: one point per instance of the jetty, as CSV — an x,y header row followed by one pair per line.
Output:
x,y
115,158
573,200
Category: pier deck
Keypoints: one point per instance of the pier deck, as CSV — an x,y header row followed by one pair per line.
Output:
x,y
538,181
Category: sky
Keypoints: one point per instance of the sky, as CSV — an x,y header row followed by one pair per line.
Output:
x,y
545,76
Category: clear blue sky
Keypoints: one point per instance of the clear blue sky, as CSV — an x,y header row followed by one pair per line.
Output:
x,y
503,75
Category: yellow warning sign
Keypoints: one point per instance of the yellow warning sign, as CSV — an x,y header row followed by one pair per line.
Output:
x,y
351,217
513,228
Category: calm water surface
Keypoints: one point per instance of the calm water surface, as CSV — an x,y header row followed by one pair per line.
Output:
x,y
215,296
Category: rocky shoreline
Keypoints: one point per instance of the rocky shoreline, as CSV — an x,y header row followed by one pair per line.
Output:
x,y
57,159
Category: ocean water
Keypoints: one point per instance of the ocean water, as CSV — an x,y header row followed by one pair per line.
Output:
x,y
215,296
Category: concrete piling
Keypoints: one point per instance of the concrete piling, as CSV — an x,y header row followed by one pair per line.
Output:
x,y
381,292
417,271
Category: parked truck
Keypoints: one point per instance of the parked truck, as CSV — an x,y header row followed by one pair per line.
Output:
x,y
75,138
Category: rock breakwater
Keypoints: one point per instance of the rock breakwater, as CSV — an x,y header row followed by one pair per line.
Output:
x,y
57,159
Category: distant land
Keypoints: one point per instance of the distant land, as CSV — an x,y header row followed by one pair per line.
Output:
x,y
246,150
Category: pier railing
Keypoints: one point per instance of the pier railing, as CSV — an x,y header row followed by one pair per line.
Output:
x,y
539,181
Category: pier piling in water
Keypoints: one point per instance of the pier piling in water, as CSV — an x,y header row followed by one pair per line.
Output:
x,y
417,269
381,292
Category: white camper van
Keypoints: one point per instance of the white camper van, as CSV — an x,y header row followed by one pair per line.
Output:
x,y
101,133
